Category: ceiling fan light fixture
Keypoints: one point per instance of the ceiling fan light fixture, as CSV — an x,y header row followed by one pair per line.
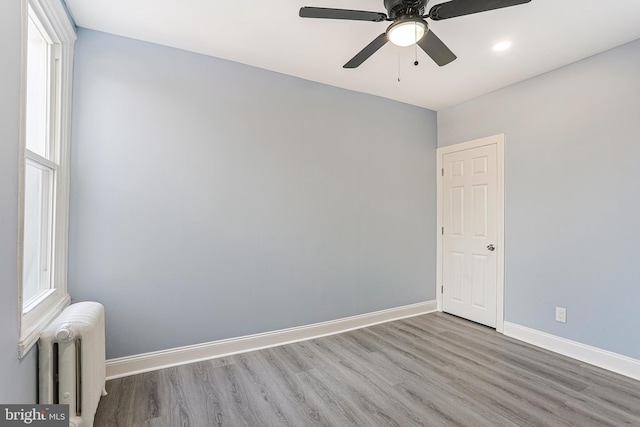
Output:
x,y
501,46
406,32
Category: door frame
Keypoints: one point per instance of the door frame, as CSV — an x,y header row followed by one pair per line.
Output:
x,y
498,140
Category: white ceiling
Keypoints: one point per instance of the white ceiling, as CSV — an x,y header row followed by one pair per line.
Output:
x,y
546,34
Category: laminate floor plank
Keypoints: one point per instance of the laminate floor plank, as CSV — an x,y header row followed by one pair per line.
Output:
x,y
296,361
518,399
286,385
363,341
207,397
595,413
324,351
430,370
328,390
238,399
401,366
125,395
178,400
558,368
413,353
610,380
149,408
447,405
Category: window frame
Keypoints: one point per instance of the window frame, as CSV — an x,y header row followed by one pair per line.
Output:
x,y
53,19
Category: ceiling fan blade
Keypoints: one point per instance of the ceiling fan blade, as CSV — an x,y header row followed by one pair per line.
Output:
x,y
353,15
436,49
454,8
369,50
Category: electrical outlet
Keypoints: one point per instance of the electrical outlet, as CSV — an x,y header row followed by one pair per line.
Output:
x,y
561,314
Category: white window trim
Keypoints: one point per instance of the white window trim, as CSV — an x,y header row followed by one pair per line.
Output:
x,y
52,15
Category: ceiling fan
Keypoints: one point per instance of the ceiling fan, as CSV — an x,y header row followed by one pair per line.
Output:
x,y
408,24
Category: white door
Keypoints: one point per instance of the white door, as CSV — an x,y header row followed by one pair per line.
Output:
x,y
469,234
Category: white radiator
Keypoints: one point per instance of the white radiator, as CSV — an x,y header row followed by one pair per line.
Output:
x,y
71,354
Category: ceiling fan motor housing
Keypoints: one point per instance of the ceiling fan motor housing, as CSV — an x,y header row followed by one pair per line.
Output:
x,y
404,8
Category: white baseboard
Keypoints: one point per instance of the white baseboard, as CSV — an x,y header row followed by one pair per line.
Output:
x,y
595,356
130,365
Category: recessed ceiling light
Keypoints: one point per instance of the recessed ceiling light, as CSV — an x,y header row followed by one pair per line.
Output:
x,y
500,46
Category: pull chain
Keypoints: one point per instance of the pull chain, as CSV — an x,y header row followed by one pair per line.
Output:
x,y
415,46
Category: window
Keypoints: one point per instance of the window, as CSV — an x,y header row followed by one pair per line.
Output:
x,y
44,183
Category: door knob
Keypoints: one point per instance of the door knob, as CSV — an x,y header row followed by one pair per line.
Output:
x,y
491,247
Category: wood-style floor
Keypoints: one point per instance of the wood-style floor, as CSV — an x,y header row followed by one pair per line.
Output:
x,y
433,370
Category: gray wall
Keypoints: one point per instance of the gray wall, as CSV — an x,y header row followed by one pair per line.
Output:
x,y
211,199
17,378
572,222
